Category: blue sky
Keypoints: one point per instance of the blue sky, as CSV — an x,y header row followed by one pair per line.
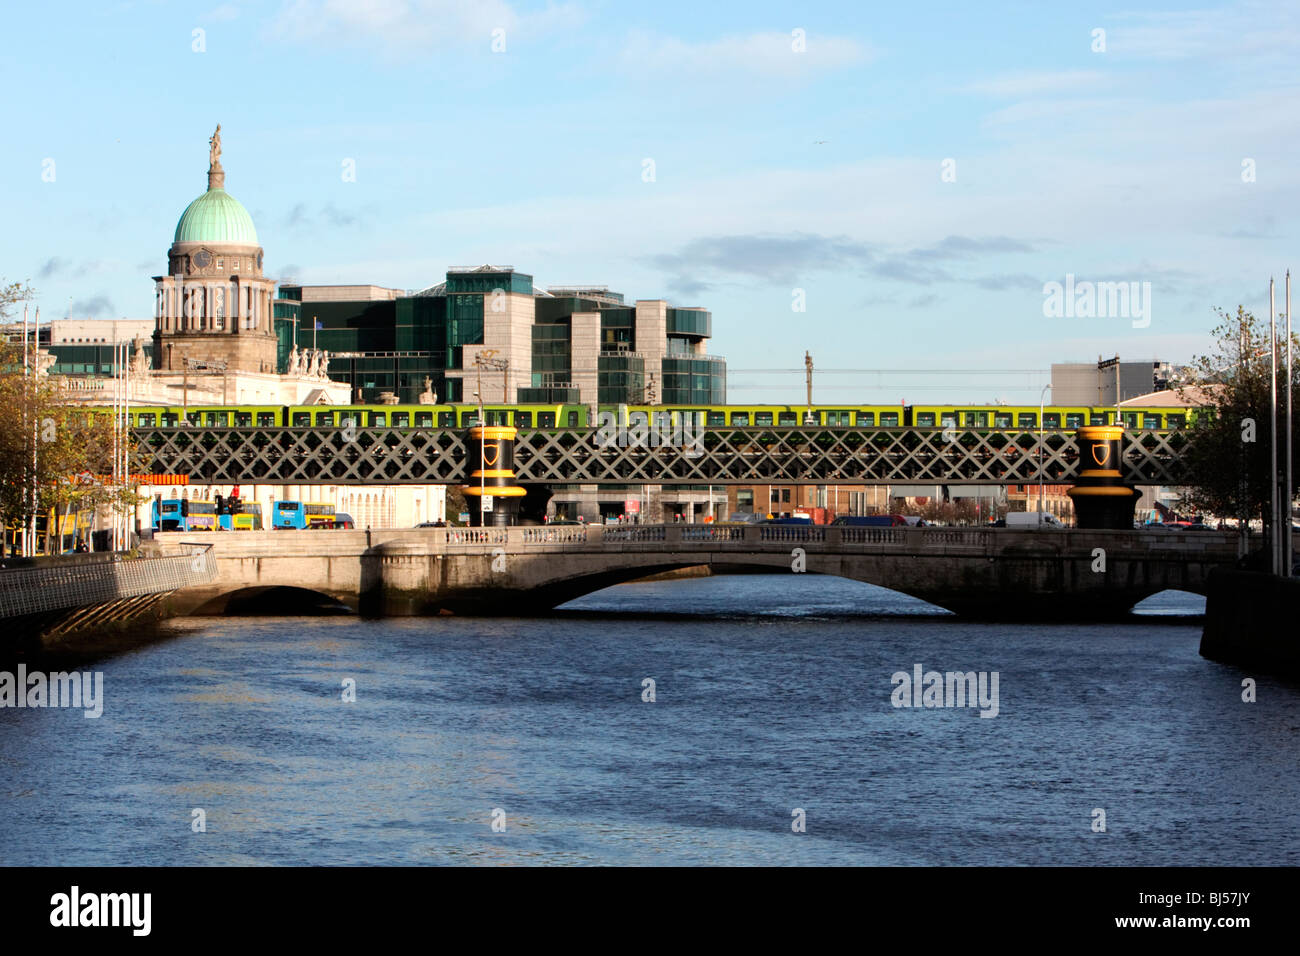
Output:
x,y
774,169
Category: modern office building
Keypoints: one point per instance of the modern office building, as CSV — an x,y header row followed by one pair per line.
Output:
x,y
564,344
1085,383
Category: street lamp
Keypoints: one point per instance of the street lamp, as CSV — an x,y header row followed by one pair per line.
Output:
x,y
1041,397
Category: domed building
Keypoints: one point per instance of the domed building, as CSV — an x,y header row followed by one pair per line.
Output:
x,y
214,305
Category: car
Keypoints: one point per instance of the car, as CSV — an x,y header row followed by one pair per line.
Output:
x,y
743,517
342,521
803,520
432,524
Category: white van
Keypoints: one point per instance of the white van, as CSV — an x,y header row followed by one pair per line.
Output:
x,y
1033,520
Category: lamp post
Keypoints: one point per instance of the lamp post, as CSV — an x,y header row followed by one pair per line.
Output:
x,y
1041,408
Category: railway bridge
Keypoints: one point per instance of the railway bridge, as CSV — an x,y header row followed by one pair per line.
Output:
x,y
722,455
989,573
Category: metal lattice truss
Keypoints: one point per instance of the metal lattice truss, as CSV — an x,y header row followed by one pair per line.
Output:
x,y
808,455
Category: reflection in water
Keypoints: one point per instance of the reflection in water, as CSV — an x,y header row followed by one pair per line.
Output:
x,y
771,694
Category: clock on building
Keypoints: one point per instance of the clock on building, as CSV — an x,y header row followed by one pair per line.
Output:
x,y
259,260
202,259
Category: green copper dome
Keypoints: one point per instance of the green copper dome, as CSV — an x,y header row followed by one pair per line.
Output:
x,y
216,217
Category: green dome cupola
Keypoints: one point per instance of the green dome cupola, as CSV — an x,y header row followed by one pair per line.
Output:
x,y
216,216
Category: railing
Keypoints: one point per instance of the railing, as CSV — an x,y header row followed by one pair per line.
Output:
x,y
637,533
791,533
32,590
477,536
546,535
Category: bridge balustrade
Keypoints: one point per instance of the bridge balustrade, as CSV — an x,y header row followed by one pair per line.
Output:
x,y
791,533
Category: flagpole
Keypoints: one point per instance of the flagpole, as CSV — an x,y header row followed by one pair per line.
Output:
x,y
1288,489
24,544
36,363
1274,545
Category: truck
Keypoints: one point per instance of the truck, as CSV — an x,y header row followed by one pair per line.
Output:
x,y
1033,520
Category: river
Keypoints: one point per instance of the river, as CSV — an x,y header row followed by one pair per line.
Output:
x,y
772,695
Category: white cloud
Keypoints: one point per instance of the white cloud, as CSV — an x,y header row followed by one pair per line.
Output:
x,y
409,25
1246,29
222,13
772,54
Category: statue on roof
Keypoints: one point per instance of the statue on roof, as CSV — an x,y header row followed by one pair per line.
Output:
x,y
428,396
214,148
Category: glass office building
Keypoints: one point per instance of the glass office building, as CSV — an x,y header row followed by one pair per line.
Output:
x,y
562,345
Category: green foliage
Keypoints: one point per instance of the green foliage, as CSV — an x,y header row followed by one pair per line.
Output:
x,y
72,447
1230,471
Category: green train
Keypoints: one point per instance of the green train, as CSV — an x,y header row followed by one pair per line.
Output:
x,y
977,417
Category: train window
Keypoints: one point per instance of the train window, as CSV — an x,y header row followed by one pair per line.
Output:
x,y
977,419
1073,420
1177,421
192,418
324,418
266,419
1001,419
740,418
401,419
524,419
301,419
787,418
763,418
215,419
546,419
1131,419
573,418
243,419
717,418
445,419
925,419
1051,419
468,419
167,419
1096,418
1027,420
866,419
378,419
146,419
889,419
1150,421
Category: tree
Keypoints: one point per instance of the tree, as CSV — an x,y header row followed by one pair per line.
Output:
x,y
1229,456
11,295
53,455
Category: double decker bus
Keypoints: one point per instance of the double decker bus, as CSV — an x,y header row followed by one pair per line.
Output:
x,y
242,516
182,514
302,514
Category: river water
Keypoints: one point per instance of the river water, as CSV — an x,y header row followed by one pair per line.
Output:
x,y
772,695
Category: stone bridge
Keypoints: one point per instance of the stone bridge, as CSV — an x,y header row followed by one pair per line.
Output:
x,y
989,573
